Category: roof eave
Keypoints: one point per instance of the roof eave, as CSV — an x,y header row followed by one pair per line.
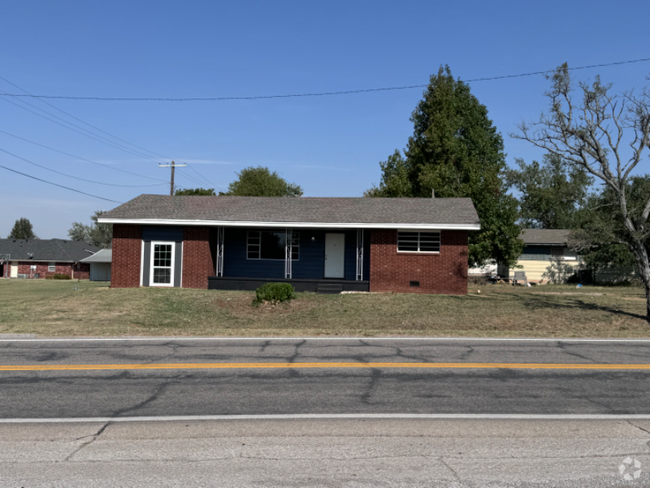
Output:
x,y
295,225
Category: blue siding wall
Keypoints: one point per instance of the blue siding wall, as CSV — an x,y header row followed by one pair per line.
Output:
x,y
162,233
310,265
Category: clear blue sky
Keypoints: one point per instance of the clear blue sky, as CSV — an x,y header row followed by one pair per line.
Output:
x,y
331,146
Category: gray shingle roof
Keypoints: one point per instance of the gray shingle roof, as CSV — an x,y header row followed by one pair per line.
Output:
x,y
367,211
101,256
548,237
60,250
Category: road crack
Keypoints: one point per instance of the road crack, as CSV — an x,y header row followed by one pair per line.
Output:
x,y
93,438
453,471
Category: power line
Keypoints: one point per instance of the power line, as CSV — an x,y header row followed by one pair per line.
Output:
x,y
83,121
209,182
110,143
320,94
67,175
84,159
89,135
56,184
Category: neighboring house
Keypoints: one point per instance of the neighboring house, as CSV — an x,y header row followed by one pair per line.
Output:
x,y
100,265
543,250
40,258
316,244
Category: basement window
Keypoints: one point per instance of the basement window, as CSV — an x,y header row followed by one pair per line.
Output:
x,y
414,241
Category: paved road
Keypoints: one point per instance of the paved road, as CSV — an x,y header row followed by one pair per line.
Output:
x,y
253,390
326,453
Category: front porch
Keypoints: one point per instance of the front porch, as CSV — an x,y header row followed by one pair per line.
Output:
x,y
329,286
327,260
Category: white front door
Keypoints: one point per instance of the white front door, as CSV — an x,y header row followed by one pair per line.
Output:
x,y
14,270
334,255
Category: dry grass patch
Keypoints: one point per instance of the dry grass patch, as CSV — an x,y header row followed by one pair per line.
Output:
x,y
58,309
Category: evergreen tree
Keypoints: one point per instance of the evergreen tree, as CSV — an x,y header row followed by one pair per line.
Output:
x,y
455,151
22,230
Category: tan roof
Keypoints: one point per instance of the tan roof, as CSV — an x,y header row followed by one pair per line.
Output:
x,y
297,211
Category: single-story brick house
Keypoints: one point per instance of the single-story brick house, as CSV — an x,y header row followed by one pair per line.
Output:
x,y
40,258
316,244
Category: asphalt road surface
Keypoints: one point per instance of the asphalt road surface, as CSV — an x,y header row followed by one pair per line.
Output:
x,y
295,376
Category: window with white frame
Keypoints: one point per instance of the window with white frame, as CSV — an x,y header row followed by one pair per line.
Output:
x,y
162,264
51,267
416,241
262,244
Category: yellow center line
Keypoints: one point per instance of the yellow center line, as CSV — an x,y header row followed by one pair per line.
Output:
x,y
98,367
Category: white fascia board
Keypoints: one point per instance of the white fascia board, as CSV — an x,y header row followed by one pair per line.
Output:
x,y
295,225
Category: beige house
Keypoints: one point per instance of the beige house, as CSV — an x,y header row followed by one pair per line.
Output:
x,y
546,256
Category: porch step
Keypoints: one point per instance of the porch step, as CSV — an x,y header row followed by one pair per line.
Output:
x,y
329,288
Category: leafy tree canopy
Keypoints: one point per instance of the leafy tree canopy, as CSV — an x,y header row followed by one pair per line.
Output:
x,y
604,242
553,194
261,182
22,229
195,192
100,235
455,151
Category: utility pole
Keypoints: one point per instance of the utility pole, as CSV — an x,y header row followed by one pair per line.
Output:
x,y
173,166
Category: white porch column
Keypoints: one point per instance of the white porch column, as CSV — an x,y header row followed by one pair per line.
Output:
x,y
220,239
287,253
359,254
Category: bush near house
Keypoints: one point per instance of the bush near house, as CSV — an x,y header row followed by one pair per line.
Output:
x,y
274,293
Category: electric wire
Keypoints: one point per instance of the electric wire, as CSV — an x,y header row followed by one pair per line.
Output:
x,y
118,146
192,168
88,160
67,175
83,121
319,94
56,184
109,143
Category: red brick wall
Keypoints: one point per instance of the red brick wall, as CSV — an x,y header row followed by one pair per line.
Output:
x,y
444,273
127,250
197,258
79,271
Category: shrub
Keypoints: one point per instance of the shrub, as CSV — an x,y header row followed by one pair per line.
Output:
x,y
60,276
274,293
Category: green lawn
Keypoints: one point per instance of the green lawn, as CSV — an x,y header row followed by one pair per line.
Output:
x,y
65,308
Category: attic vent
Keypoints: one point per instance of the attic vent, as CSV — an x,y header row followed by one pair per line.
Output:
x,y
414,283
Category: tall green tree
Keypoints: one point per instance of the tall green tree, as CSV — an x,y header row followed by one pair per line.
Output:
x,y
22,229
455,151
195,192
261,182
553,194
100,235
606,135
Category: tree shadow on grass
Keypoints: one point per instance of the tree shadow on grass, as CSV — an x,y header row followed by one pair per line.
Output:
x,y
569,303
